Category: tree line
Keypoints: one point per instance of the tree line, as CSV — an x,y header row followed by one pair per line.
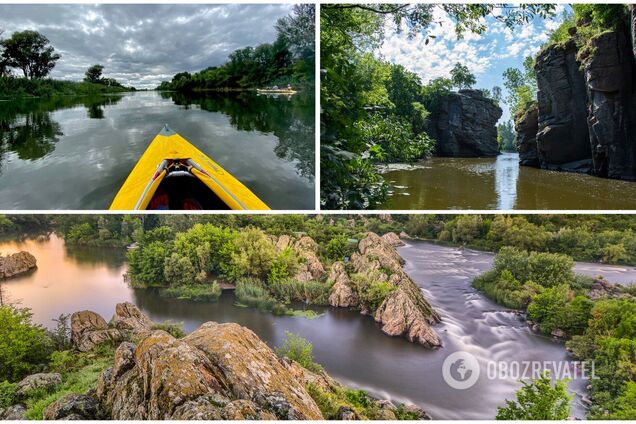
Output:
x,y
289,60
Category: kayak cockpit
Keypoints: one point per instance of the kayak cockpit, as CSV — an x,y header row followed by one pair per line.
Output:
x,y
180,189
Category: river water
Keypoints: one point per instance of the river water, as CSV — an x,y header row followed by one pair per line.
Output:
x,y
347,344
75,153
500,183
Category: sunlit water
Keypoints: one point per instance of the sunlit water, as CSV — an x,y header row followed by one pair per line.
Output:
x,y
350,346
500,183
75,153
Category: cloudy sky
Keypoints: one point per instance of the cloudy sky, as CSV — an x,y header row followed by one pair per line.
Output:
x,y
487,55
144,44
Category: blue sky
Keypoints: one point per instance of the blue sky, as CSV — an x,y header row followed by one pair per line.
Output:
x,y
487,55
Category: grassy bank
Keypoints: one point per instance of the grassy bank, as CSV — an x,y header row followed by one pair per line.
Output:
x,y
15,88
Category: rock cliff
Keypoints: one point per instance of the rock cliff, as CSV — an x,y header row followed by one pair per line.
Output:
x,y
404,311
465,125
586,119
16,264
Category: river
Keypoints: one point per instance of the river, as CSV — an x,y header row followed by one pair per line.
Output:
x,y
499,183
75,153
347,344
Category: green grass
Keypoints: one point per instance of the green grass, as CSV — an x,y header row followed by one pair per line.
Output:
x,y
173,328
198,292
79,380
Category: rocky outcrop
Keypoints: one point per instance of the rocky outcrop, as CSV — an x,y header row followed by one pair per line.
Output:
x,y
465,125
311,268
13,413
220,371
404,312
342,293
392,239
129,318
562,138
16,264
526,127
610,77
89,329
73,407
45,381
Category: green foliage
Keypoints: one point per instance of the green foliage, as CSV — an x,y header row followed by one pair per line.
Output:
x,y
84,377
338,248
62,361
208,247
207,292
94,74
24,346
178,270
61,334
521,86
285,265
30,52
251,293
146,264
506,137
372,288
538,400
290,59
175,329
310,292
298,349
462,77
7,394
254,255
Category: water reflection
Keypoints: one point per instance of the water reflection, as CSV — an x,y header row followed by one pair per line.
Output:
x,y
27,126
91,144
506,176
289,118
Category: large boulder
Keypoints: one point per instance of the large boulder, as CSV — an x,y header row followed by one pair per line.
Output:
x,y
562,138
220,371
252,371
392,239
610,80
465,125
73,407
16,264
311,269
41,380
526,127
13,413
129,318
405,312
89,329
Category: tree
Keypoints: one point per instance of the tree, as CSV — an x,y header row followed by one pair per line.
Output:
x,y
299,30
23,345
462,77
538,400
29,51
94,74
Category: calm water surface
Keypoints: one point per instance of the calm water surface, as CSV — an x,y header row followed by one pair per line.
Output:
x,y
350,346
75,153
500,183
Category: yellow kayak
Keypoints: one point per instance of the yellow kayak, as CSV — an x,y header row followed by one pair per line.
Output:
x,y
173,174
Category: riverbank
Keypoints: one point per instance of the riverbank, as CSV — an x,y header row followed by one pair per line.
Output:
x,y
17,88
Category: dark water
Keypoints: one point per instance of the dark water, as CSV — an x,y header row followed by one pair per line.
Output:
x,y
350,346
75,153
500,183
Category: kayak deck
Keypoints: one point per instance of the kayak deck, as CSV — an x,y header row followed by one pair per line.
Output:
x,y
172,174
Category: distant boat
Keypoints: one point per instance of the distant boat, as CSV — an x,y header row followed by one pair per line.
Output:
x,y
172,174
276,90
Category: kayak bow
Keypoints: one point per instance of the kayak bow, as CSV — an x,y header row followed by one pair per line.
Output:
x,y
173,174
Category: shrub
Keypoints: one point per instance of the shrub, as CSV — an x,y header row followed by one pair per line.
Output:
x,y
178,270
538,400
285,265
251,293
7,394
298,349
62,361
24,346
338,247
61,335
254,254
173,328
